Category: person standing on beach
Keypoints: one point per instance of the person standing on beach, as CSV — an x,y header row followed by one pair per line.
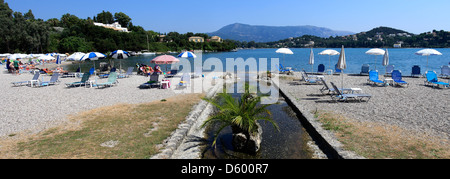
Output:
x,y
16,66
8,65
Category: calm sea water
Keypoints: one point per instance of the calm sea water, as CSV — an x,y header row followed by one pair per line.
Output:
x,y
402,59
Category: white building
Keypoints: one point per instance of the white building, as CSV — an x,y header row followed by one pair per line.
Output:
x,y
116,26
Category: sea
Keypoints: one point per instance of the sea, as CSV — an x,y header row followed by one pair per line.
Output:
x,y
403,59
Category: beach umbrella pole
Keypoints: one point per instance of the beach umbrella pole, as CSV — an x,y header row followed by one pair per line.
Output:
x,y
329,61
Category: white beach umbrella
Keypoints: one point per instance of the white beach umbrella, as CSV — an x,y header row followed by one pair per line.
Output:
x,y
46,57
329,52
76,56
14,56
376,51
285,51
386,58
428,52
342,64
311,60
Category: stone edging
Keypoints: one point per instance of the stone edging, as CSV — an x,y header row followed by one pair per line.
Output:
x,y
325,139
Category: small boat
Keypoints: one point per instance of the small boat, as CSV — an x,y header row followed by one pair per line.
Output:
x,y
148,53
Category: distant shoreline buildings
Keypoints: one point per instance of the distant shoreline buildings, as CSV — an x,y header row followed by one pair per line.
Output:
x,y
116,26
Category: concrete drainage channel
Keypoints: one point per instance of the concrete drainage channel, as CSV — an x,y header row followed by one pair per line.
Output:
x,y
326,140
186,141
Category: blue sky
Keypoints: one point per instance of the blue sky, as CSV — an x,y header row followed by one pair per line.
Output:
x,y
415,16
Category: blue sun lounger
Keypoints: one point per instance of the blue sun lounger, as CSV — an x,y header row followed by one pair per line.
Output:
x,y
397,77
415,71
282,69
321,69
433,80
365,69
373,78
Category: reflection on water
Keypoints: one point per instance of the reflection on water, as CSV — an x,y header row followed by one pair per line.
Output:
x,y
288,143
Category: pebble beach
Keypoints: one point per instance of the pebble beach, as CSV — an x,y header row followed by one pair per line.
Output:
x,y
418,108
31,110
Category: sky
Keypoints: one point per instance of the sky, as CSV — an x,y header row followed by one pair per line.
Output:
x,y
202,16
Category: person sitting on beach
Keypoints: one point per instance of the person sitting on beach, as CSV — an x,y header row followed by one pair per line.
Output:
x,y
158,69
149,70
145,70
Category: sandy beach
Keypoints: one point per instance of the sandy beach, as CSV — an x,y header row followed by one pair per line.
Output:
x,y
417,108
31,110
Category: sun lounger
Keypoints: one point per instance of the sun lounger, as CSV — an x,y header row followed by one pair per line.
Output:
x,y
155,80
311,79
107,75
33,80
415,72
53,80
373,78
345,97
365,69
389,70
321,69
433,80
337,71
282,69
83,81
112,80
331,91
71,74
127,74
185,80
397,77
172,74
445,71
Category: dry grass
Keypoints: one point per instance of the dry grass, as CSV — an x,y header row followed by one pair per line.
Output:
x,y
119,131
377,140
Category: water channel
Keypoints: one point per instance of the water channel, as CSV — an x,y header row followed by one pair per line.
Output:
x,y
290,142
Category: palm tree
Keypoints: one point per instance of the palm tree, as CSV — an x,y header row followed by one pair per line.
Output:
x,y
241,114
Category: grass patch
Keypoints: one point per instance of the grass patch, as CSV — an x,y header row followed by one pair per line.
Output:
x,y
377,140
124,131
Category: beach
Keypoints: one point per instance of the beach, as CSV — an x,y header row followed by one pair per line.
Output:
x,y
30,110
419,109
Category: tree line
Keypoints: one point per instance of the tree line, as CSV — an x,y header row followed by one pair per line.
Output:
x,y
23,33
381,37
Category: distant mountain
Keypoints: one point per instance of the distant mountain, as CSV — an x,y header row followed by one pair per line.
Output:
x,y
259,33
